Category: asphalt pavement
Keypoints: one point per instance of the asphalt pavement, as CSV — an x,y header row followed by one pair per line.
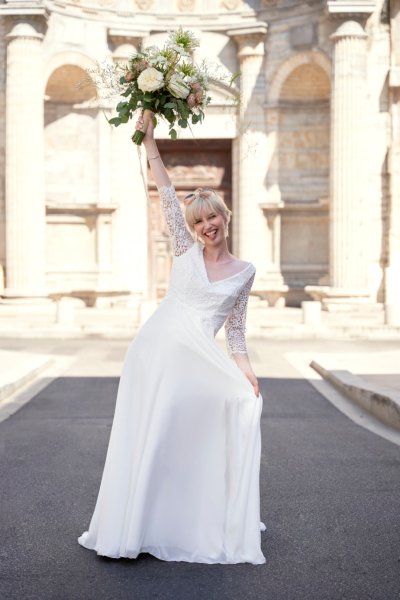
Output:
x,y
330,496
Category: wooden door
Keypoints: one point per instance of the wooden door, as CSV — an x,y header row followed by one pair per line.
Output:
x,y
190,164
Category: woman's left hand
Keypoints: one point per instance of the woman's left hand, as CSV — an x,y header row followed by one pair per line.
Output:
x,y
253,380
243,362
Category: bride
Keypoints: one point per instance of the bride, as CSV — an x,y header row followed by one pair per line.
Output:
x,y
181,477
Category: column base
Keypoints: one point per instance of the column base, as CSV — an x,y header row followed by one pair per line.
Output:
x,y
272,289
392,283
342,299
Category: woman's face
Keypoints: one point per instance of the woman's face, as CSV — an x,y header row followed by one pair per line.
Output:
x,y
210,227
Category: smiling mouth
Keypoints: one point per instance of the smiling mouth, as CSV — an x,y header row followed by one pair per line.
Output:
x,y
211,234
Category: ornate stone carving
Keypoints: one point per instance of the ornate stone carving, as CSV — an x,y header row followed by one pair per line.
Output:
x,y
186,5
231,4
144,4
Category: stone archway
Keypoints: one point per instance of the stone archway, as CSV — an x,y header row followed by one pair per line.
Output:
x,y
78,206
298,179
316,58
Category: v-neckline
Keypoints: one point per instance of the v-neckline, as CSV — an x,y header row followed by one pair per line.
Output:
x,y
201,249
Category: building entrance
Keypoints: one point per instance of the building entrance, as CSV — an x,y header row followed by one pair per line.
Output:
x,y
190,164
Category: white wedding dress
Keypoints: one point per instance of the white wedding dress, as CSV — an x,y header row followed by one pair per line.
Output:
x,y
181,477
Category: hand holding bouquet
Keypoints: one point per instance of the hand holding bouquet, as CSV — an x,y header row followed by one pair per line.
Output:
x,y
167,83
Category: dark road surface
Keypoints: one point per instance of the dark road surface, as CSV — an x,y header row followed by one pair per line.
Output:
x,y
330,499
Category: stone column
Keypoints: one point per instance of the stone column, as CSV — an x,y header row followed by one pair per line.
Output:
x,y
128,192
392,270
25,196
348,210
251,237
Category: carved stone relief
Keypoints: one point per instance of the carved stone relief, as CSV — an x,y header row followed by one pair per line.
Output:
x,y
144,4
186,5
231,4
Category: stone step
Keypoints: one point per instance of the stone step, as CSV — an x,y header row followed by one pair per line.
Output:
x,y
370,381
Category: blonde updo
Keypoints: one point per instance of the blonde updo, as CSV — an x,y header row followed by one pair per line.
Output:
x,y
205,199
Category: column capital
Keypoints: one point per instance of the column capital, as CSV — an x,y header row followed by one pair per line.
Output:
x,y
349,29
24,31
250,39
127,36
125,42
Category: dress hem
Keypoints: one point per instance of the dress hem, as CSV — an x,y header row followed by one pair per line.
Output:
x,y
182,557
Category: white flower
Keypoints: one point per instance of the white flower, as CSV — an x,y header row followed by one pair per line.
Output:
x,y
178,87
179,49
150,80
158,60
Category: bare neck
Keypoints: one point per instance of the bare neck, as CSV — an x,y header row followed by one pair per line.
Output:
x,y
218,253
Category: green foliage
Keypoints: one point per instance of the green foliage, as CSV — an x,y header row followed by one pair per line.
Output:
x,y
234,78
183,38
173,59
187,69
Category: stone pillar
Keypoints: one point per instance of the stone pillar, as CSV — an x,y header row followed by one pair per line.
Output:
x,y
128,192
348,210
392,270
25,196
251,237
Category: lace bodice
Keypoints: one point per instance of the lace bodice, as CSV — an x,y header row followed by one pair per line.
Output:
x,y
212,303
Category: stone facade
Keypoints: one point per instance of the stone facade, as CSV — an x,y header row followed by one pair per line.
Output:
x,y
309,159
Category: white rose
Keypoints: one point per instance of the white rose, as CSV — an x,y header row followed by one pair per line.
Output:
x,y
150,80
178,87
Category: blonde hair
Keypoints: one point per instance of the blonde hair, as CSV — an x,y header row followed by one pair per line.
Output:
x,y
205,198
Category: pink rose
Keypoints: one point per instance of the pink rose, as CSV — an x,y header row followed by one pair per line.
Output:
x,y
128,76
191,101
199,96
196,87
142,65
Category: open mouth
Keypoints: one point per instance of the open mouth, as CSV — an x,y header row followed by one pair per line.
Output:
x,y
212,234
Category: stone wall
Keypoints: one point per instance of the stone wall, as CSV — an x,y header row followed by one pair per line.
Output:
x,y
286,201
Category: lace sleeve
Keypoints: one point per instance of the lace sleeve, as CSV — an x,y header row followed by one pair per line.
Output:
x,y
235,324
180,237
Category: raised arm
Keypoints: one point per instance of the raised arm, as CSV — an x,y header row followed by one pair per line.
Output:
x,y
180,237
235,332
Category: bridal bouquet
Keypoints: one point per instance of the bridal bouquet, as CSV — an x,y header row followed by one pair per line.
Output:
x,y
167,82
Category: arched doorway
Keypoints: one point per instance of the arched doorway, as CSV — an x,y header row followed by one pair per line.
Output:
x,y
78,206
299,171
190,164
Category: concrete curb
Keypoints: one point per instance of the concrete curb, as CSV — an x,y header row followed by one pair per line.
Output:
x,y
27,370
382,403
